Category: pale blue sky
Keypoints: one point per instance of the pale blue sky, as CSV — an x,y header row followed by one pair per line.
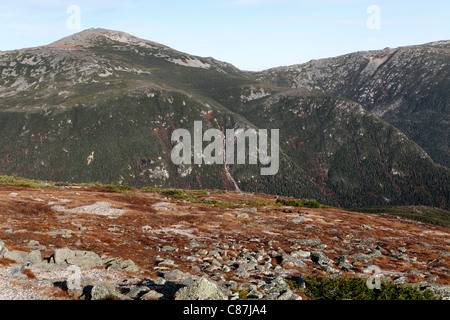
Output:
x,y
251,34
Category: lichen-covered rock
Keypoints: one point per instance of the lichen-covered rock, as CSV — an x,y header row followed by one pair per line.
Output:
x,y
174,275
440,290
33,257
246,267
288,260
16,270
79,258
278,289
152,295
102,291
202,289
16,255
119,264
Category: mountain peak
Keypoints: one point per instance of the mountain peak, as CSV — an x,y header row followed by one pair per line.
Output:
x,y
93,36
96,37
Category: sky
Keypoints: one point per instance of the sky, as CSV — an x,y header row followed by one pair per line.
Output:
x,y
253,35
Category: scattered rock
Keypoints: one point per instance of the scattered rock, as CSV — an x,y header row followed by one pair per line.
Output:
x,y
164,206
320,258
119,264
24,257
33,257
343,263
35,245
186,288
301,254
241,215
288,260
441,290
258,260
152,295
246,267
137,292
16,255
278,289
307,242
195,244
174,275
366,256
16,270
169,248
202,289
167,262
323,261
84,259
99,293
400,280
254,294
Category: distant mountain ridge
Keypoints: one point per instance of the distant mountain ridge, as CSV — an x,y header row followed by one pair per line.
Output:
x,y
408,87
118,98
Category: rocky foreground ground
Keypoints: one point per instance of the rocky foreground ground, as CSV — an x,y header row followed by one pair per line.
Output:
x,y
79,242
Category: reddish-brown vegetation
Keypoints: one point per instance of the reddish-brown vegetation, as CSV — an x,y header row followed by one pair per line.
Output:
x,y
146,226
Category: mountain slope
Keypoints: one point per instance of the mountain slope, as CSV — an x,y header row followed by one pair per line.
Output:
x,y
408,87
101,106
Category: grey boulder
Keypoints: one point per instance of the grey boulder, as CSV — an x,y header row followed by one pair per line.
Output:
x,y
202,289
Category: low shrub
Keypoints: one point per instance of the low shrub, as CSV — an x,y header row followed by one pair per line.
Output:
x,y
355,288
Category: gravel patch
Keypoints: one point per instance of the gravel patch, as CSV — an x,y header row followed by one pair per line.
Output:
x,y
13,289
102,208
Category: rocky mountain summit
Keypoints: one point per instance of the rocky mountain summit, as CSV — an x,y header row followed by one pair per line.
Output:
x,y
101,105
93,242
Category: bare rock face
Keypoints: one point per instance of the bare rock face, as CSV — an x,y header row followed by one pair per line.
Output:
x,y
199,250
